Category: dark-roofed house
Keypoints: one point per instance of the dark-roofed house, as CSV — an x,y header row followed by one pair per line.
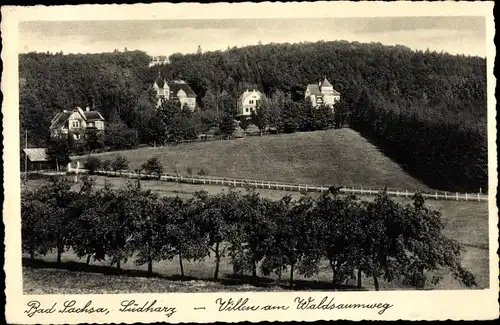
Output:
x,y
322,93
176,90
75,122
35,159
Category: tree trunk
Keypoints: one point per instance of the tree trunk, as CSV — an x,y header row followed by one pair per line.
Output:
x,y
254,271
217,262
118,264
88,259
150,266
59,251
359,279
180,264
375,281
32,255
291,276
279,274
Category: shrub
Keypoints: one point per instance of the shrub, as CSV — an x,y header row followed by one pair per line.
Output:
x,y
153,166
106,164
120,163
92,164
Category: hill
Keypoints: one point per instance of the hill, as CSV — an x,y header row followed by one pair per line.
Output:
x,y
333,157
425,110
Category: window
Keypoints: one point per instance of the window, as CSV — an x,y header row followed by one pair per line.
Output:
x,y
75,124
246,110
250,101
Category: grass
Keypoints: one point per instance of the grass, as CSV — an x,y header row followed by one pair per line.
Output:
x,y
466,222
340,157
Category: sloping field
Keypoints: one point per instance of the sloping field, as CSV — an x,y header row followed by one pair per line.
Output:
x,y
334,157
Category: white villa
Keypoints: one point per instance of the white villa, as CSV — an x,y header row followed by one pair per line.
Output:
x,y
248,102
322,93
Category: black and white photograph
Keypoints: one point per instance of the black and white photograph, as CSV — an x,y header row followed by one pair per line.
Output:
x,y
330,156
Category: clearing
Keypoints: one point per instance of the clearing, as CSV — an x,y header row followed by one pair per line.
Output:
x,y
339,157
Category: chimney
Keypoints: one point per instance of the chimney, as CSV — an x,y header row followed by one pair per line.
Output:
x,y
87,109
65,111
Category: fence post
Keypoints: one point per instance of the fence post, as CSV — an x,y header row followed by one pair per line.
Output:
x,y
269,185
465,196
321,188
446,195
298,188
397,192
306,187
457,196
478,198
234,183
436,195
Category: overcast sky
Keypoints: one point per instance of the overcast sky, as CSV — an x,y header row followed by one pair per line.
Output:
x,y
456,35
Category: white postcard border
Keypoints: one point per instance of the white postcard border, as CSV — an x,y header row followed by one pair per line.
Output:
x,y
411,305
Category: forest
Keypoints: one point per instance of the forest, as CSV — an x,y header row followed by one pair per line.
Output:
x,y
425,110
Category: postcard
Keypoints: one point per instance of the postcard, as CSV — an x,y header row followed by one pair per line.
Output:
x,y
250,162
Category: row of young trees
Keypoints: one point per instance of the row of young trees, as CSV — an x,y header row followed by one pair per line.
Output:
x,y
381,239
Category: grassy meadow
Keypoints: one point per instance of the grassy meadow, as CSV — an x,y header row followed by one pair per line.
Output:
x,y
341,157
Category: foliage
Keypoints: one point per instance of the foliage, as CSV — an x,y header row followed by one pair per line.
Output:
x,y
383,239
120,163
92,164
153,167
426,110
58,151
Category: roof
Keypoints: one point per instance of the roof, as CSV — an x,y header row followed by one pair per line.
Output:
x,y
160,81
314,89
326,83
62,117
176,86
248,93
36,154
93,116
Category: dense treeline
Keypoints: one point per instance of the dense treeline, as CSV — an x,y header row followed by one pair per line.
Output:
x,y
381,239
426,110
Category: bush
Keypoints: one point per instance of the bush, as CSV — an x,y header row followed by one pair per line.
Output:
x,y
153,166
120,163
92,164
106,165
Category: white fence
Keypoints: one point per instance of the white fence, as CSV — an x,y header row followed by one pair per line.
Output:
x,y
271,185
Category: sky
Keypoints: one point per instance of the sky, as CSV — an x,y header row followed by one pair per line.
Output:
x,y
455,35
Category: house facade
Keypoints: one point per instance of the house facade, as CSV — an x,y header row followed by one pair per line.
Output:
x,y
248,102
322,93
176,90
76,121
158,60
